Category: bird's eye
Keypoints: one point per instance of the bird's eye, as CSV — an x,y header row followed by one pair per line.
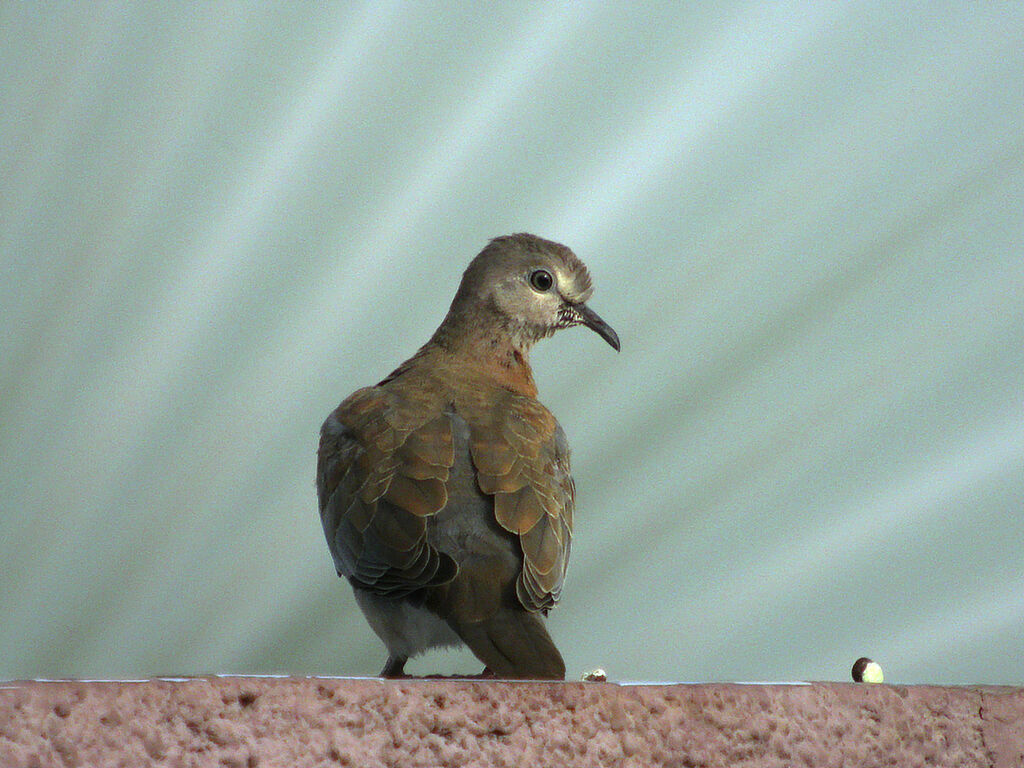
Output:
x,y
541,280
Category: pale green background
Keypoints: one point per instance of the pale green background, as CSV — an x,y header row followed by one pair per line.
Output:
x,y
805,220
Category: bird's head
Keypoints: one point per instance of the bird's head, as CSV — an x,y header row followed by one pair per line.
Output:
x,y
531,287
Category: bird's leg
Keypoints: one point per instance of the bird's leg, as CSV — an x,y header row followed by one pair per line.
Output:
x,y
394,667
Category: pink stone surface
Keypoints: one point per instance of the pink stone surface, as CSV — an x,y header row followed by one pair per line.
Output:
x,y
242,722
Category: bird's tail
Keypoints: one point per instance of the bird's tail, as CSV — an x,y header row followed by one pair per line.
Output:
x,y
514,644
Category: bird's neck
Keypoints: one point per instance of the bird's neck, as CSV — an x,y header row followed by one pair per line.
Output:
x,y
479,345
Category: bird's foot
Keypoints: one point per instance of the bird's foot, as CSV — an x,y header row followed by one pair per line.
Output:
x,y
394,668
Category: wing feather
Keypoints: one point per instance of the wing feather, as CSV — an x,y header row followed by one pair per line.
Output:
x,y
381,473
521,458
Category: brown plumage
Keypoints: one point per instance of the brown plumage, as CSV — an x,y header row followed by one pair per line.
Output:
x,y
445,491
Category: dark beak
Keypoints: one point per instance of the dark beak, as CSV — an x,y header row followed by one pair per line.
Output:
x,y
593,321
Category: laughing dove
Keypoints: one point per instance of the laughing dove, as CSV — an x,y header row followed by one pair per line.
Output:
x,y
445,491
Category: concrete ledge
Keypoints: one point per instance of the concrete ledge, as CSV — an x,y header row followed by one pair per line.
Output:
x,y
243,722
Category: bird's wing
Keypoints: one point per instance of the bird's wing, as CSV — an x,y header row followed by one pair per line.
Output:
x,y
381,472
522,459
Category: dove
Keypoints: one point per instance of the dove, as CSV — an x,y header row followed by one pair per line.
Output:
x,y
445,490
